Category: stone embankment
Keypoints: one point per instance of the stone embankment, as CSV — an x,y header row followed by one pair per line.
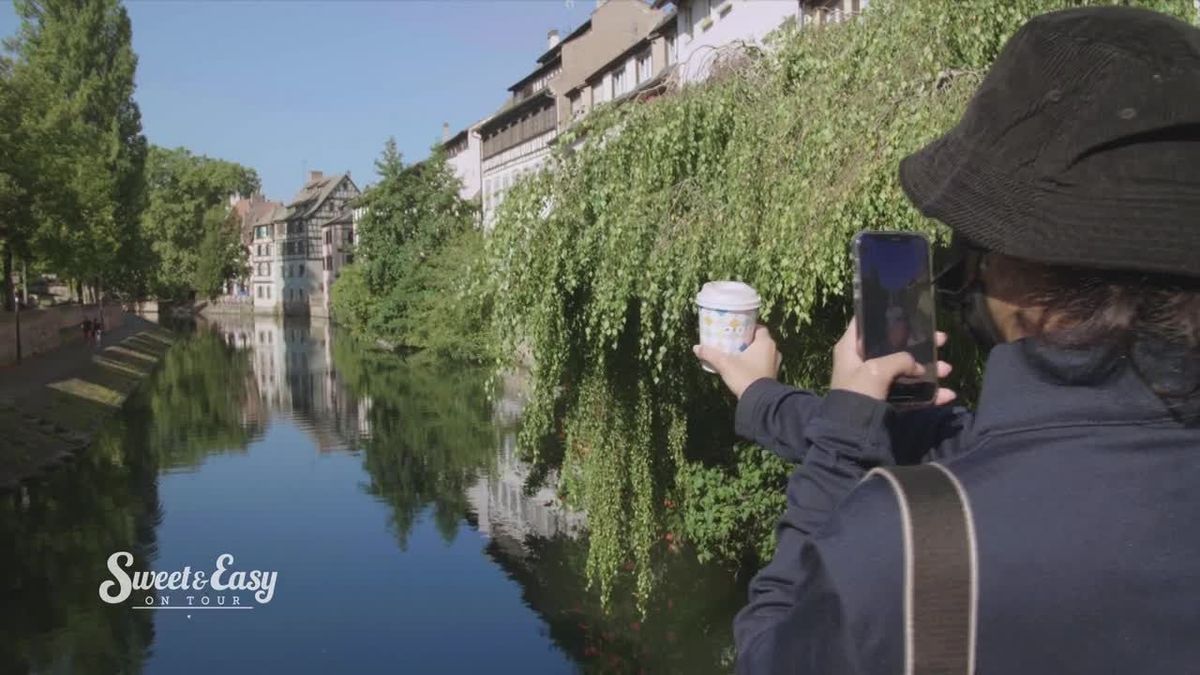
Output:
x,y
53,404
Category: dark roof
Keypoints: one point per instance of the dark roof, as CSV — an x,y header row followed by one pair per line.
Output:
x,y
668,21
638,90
654,81
460,136
544,68
553,51
632,49
343,218
314,193
510,109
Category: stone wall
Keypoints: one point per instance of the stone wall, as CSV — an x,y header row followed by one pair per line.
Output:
x,y
43,330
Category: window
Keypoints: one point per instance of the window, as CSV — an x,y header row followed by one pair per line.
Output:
x,y
328,236
598,93
349,258
643,67
300,270
685,20
328,262
618,82
260,294
349,236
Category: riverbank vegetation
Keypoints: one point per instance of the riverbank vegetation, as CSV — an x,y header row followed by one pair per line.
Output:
x,y
195,239
418,251
762,174
83,195
71,182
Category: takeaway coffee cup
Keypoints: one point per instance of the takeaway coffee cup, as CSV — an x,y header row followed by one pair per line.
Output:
x,y
728,316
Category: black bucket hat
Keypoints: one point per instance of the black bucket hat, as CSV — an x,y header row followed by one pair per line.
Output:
x,y
1081,146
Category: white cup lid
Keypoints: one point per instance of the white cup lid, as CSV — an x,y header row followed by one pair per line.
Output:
x,y
728,295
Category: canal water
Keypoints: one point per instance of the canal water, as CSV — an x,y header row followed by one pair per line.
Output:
x,y
381,490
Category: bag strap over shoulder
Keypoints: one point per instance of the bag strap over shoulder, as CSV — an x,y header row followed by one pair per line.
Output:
x,y
941,570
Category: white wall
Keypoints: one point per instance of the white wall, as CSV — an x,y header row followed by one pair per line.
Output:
x,y
466,166
271,280
503,170
716,23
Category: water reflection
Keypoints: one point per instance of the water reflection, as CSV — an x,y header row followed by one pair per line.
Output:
x,y
373,483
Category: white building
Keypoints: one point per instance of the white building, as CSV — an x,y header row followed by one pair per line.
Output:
x,y
708,29
264,259
297,251
640,71
462,153
516,139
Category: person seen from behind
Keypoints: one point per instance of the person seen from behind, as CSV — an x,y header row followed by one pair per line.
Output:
x,y
1072,187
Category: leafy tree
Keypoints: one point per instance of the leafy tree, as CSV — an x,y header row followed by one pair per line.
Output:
x,y
81,131
221,255
431,432
413,240
185,218
762,175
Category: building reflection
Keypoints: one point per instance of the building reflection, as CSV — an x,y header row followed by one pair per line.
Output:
x,y
504,511
294,375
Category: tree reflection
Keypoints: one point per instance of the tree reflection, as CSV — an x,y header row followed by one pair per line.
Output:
x,y
58,534
430,432
57,537
686,629
429,444
201,401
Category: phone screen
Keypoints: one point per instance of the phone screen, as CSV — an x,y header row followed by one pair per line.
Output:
x,y
895,307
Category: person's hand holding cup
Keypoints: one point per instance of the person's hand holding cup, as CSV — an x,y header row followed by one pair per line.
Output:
x,y
732,344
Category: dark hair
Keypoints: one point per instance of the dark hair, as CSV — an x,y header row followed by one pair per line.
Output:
x,y
1152,319
1091,307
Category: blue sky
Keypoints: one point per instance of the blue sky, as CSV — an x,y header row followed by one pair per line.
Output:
x,y
283,86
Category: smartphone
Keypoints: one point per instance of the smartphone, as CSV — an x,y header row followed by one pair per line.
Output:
x,y
894,307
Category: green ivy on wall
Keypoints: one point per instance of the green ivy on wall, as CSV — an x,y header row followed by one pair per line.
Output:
x,y
763,175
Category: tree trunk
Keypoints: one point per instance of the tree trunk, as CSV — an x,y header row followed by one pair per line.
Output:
x,y
9,294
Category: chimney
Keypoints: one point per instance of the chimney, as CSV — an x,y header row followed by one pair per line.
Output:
x,y
445,131
315,175
552,39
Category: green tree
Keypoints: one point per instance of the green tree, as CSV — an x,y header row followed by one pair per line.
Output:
x,y
186,219
763,174
74,66
221,255
412,243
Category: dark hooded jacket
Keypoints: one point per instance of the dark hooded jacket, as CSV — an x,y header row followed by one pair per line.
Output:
x,y
1085,490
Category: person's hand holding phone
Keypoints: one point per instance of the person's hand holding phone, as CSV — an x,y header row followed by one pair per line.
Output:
x,y
874,377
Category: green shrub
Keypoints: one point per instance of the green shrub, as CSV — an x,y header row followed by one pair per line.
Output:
x,y
730,512
762,175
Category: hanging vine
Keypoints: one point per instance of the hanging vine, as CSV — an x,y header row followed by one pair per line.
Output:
x,y
762,175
